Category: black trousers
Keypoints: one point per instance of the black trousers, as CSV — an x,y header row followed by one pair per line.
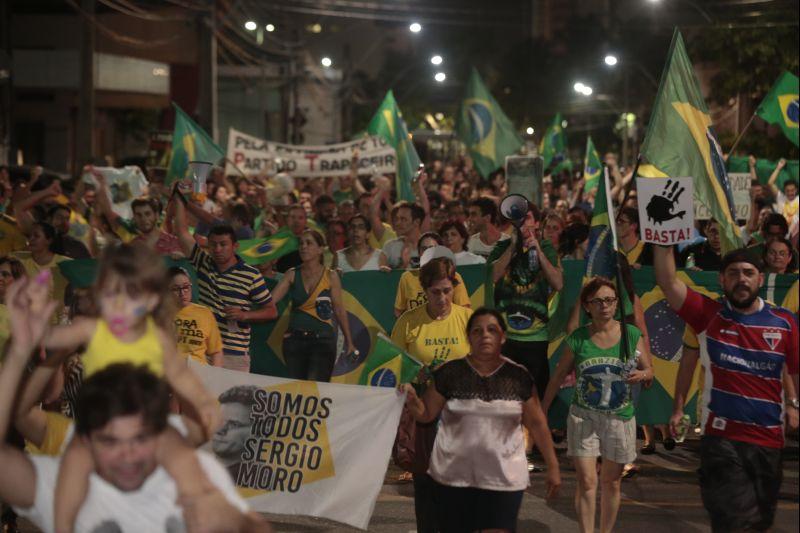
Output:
x,y
309,356
739,483
533,356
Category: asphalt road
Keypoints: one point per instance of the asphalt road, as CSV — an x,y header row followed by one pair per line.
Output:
x,y
663,497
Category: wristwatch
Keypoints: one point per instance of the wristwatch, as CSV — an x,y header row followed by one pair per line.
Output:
x,y
793,402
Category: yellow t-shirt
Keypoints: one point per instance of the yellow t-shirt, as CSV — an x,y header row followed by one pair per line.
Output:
x,y
54,435
433,342
198,333
105,349
388,235
11,237
790,301
410,294
57,283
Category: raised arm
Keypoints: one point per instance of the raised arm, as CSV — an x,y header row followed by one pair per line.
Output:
x,y
29,312
666,276
181,228
773,178
422,197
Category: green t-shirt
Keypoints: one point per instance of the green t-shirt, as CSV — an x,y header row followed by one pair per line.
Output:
x,y
599,383
523,295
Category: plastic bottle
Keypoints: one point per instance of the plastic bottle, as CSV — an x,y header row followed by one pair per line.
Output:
x,y
690,261
683,428
533,260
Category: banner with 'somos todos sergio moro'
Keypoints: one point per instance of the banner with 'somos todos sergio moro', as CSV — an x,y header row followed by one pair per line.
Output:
x,y
303,447
254,156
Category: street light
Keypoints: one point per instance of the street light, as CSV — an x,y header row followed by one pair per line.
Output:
x,y
610,60
270,28
250,25
436,60
440,77
587,91
415,27
579,86
529,130
326,62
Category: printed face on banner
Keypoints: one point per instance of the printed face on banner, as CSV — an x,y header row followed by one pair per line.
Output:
x,y
274,438
666,213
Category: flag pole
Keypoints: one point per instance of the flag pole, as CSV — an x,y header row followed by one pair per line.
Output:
x,y
621,290
739,137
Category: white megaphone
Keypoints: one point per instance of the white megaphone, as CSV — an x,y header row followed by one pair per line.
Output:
x,y
514,208
199,170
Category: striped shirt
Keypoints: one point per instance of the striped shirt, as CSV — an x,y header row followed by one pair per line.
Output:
x,y
239,286
744,357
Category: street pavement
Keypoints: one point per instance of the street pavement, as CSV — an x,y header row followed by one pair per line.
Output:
x,y
663,497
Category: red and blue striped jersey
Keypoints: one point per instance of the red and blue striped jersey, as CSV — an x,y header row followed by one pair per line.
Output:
x,y
744,357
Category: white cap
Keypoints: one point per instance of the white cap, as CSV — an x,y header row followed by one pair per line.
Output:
x,y
436,252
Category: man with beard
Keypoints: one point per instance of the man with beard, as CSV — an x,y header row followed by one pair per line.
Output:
x,y
748,348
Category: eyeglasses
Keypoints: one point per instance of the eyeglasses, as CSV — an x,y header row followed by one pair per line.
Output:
x,y
611,300
181,288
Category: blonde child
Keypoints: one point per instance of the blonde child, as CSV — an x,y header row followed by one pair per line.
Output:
x,y
132,291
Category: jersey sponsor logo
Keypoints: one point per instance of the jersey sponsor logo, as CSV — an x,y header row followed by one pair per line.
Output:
x,y
729,332
741,361
719,423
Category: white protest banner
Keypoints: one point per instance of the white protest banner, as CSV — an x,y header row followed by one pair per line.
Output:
x,y
124,185
740,187
252,155
665,209
303,447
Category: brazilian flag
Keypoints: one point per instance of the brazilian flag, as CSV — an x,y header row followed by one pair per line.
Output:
x,y
553,147
592,166
189,143
388,365
681,141
483,127
387,122
781,106
259,251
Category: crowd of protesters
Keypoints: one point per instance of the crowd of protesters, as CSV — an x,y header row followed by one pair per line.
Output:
x,y
346,225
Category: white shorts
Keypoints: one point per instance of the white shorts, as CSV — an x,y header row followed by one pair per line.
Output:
x,y
593,434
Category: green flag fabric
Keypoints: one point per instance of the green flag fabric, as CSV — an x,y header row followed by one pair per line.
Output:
x,y
259,251
189,143
482,126
387,122
781,106
681,141
764,169
387,365
553,147
592,167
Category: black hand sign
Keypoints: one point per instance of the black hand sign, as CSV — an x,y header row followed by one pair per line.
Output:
x,y
659,209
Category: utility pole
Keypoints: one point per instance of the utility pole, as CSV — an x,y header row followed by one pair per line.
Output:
x,y
207,97
84,139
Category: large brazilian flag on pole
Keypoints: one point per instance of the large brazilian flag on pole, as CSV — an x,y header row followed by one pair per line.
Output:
x,y
189,143
387,122
483,127
681,142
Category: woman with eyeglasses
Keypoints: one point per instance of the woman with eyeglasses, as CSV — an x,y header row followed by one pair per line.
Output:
x,y
359,255
779,257
196,328
601,418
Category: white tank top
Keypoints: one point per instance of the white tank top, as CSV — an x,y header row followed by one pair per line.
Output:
x,y
373,263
